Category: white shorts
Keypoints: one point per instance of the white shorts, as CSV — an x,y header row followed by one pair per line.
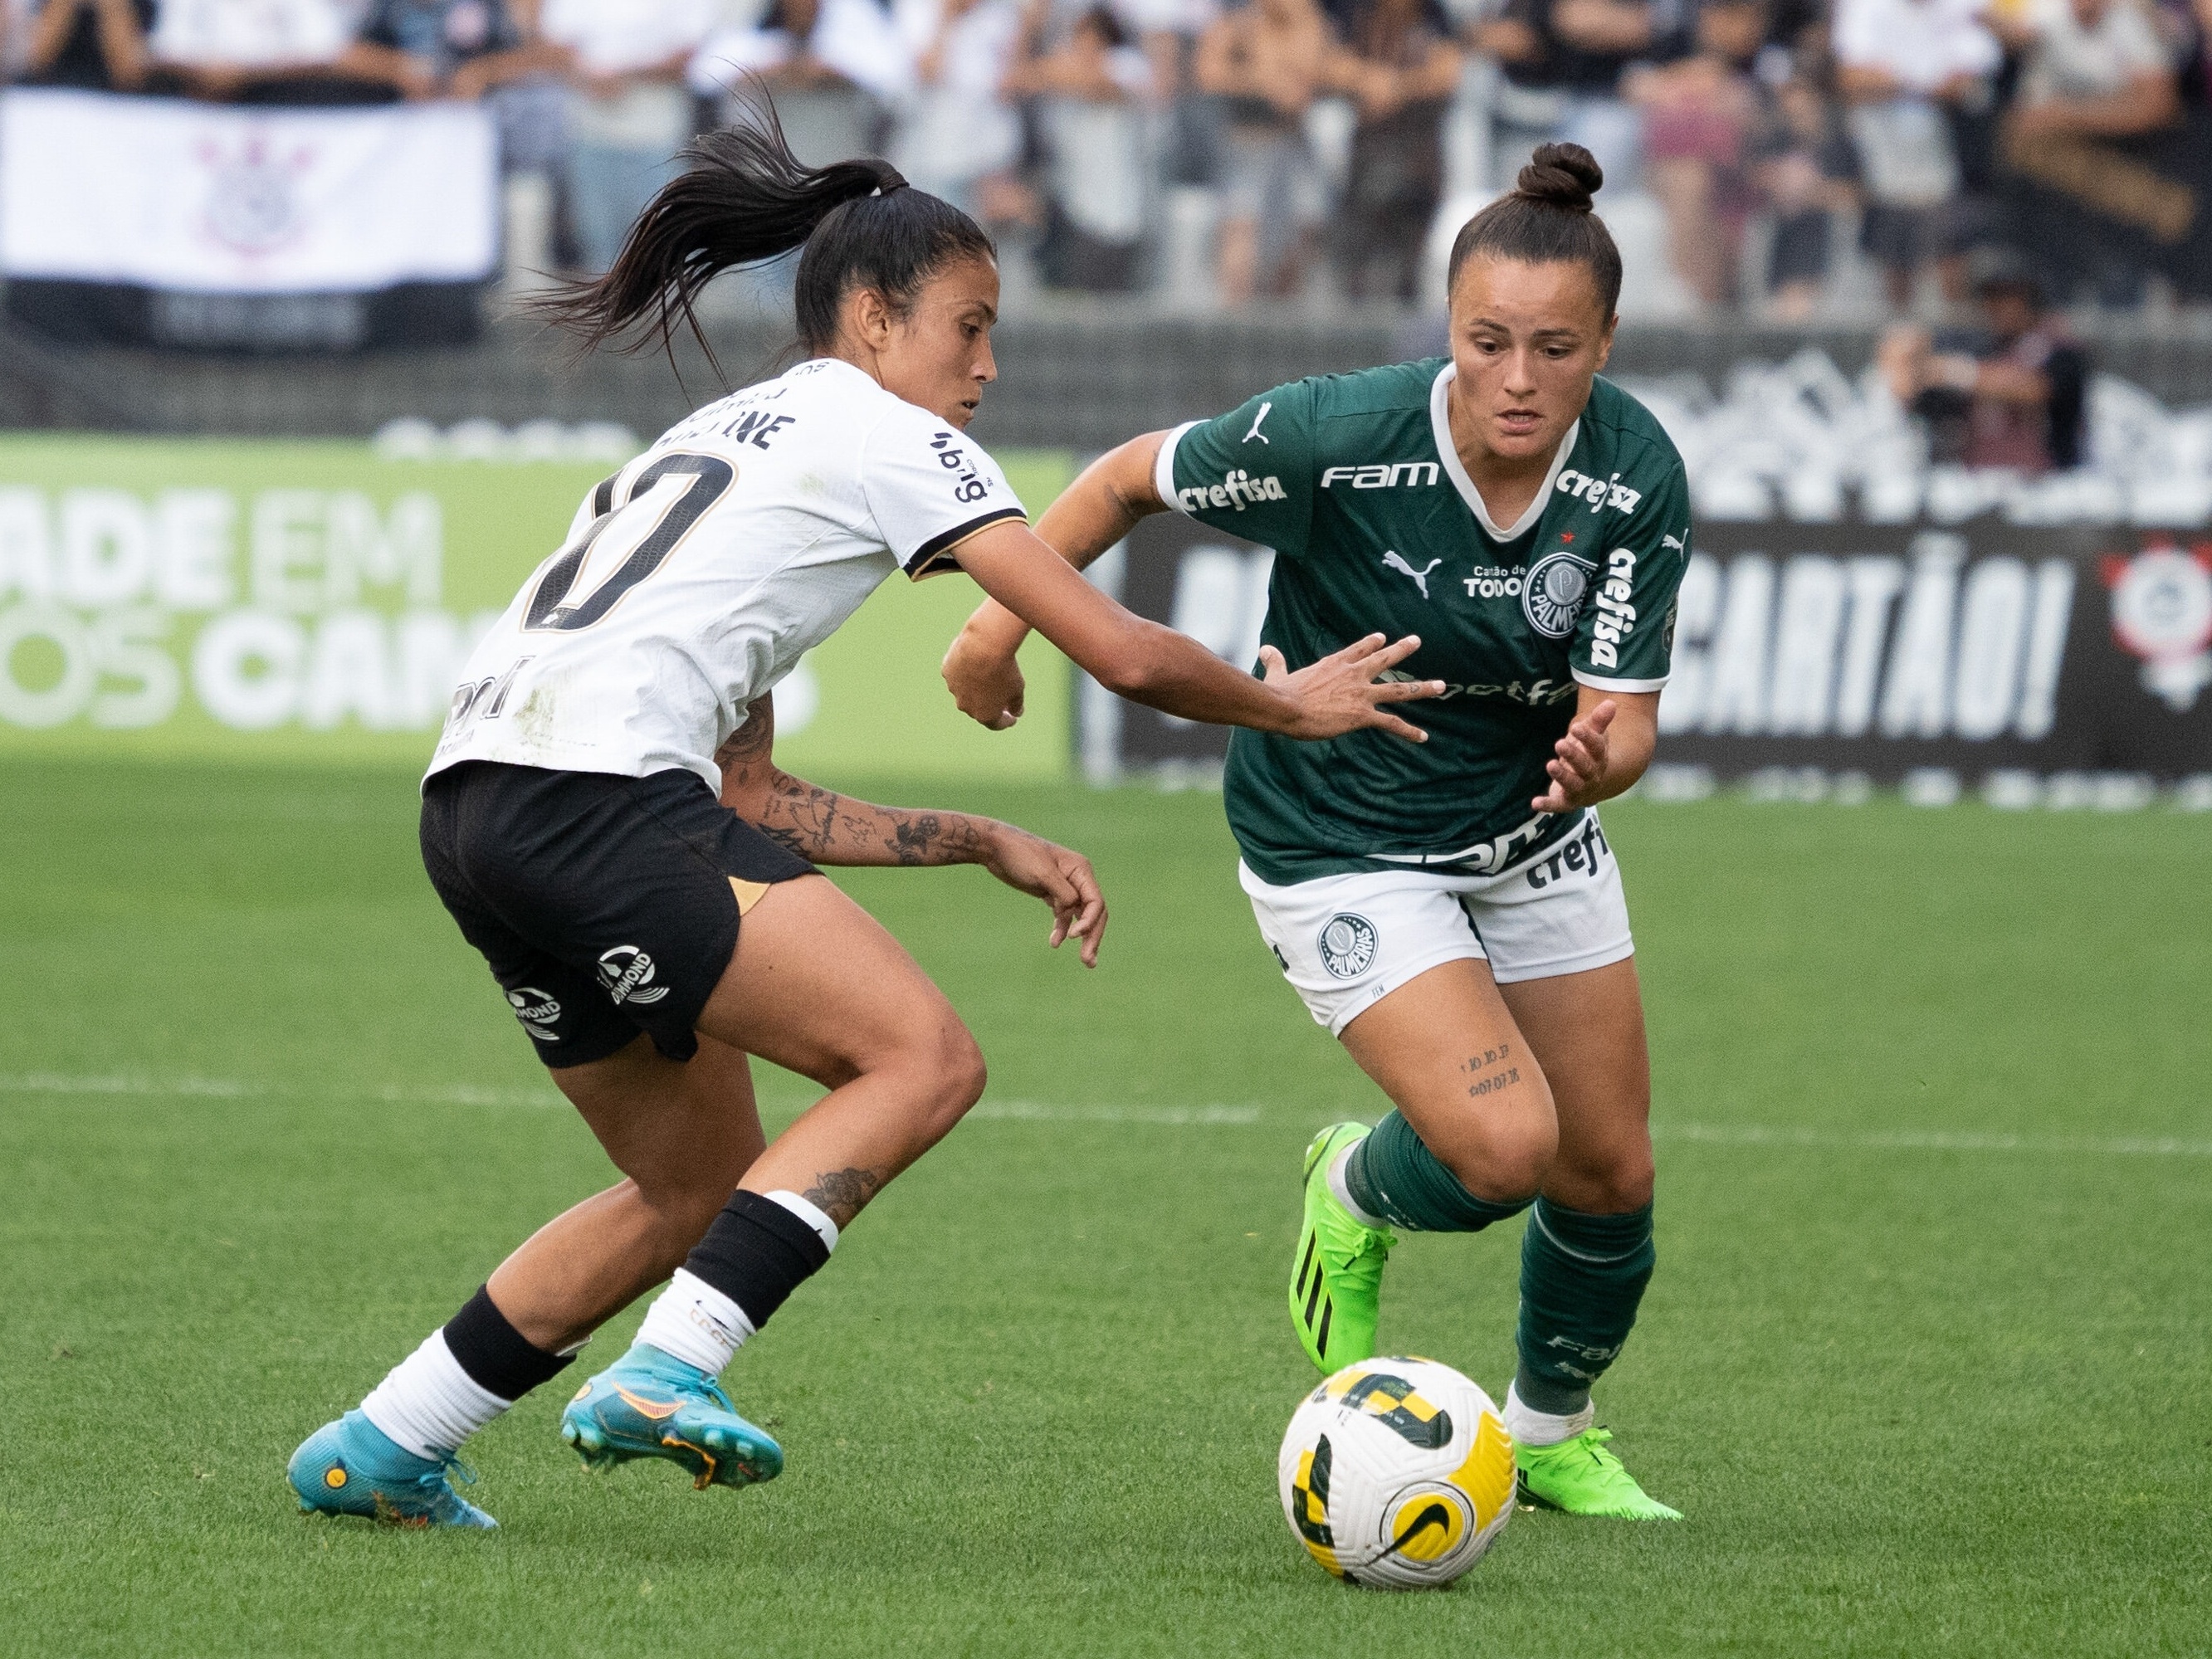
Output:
x,y
1346,942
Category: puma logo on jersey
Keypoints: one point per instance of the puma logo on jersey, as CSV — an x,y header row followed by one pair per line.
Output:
x,y
1382,474
1600,493
1234,490
1255,432
1675,542
1420,577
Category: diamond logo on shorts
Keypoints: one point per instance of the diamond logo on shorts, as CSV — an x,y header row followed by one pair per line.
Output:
x,y
1348,945
627,972
537,1010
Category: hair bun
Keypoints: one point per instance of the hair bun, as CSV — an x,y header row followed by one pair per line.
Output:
x,y
1561,176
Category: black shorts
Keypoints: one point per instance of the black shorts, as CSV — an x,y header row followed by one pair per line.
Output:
x,y
606,906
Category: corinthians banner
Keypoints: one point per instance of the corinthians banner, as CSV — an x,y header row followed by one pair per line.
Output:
x,y
1979,648
188,203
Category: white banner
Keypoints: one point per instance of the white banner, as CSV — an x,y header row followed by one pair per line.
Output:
x,y
195,198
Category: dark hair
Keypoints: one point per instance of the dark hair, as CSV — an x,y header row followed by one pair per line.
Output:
x,y
1547,219
742,199
1109,28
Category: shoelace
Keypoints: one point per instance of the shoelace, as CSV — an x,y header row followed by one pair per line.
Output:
x,y
449,1464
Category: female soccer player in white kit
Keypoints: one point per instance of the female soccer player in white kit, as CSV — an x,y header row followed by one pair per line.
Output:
x,y
648,936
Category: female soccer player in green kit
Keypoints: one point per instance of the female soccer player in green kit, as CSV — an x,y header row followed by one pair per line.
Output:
x,y
1451,910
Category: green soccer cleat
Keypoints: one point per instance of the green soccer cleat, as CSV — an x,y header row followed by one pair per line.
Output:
x,y
353,1467
1336,1278
1582,1478
650,1404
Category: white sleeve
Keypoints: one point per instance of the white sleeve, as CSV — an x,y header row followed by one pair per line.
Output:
x,y
930,487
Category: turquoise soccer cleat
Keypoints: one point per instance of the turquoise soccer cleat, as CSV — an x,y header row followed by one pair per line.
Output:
x,y
650,1404
353,1467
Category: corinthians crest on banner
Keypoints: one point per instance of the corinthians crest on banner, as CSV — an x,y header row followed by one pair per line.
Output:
x,y
181,197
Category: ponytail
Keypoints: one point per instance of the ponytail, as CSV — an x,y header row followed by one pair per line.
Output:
x,y
743,199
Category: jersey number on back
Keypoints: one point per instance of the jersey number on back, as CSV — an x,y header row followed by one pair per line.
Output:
x,y
550,607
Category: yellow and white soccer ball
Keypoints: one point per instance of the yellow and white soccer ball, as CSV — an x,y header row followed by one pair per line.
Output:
x,y
1397,1474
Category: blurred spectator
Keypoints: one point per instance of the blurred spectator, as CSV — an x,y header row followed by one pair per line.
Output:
x,y
2093,69
1263,63
1904,66
1564,60
954,128
100,45
1400,70
835,66
1699,114
1091,96
444,48
2012,395
285,50
1803,169
630,113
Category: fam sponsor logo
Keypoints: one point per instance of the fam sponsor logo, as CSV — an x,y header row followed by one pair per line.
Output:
x,y
1600,493
538,1009
1347,943
627,973
1616,616
1578,855
1381,475
1237,489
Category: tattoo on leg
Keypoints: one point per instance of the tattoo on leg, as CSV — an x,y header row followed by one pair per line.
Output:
x,y
1490,1070
840,1193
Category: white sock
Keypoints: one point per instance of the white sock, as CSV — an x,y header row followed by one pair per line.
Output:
x,y
1530,1427
428,1404
1344,1192
807,1211
696,1323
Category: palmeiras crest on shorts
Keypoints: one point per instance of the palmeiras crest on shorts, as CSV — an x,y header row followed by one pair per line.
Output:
x,y
1553,594
1348,945
627,972
537,1010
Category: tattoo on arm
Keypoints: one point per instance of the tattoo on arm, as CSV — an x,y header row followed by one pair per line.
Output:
x,y
842,1193
834,828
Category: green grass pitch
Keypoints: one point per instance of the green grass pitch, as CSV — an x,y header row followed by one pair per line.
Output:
x,y
1927,1361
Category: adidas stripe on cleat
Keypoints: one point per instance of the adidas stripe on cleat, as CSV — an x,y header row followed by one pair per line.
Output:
x,y
649,1404
353,1467
1336,1278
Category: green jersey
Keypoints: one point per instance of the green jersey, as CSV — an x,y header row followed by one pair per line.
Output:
x,y
1353,480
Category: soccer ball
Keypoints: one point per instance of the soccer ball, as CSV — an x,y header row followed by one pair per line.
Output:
x,y
1397,1474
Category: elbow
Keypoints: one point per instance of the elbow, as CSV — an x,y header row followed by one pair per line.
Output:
x,y
1133,675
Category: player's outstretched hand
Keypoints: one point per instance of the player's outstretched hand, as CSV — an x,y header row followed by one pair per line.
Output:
x,y
1059,876
986,683
1579,761
1341,693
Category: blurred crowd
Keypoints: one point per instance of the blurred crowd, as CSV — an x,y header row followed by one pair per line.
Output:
x,y
1766,151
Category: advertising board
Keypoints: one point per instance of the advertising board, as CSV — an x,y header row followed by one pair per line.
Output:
x,y
312,601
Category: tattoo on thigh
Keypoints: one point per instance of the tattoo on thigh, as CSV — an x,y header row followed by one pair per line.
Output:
x,y
842,1194
1490,1070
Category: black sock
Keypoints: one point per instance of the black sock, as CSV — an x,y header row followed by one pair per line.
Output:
x,y
498,1357
756,1253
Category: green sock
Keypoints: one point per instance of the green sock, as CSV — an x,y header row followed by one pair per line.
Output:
x,y
1392,1176
1581,1278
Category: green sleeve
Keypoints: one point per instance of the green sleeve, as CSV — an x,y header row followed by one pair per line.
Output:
x,y
1627,635
1249,471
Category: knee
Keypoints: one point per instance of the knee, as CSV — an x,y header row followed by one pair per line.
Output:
x,y
1609,1179
947,1072
1505,1161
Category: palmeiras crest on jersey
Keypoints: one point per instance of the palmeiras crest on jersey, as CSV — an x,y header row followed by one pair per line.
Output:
x,y
627,972
1348,945
1553,594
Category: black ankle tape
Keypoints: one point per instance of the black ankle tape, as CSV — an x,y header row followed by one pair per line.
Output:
x,y
756,1253
498,1357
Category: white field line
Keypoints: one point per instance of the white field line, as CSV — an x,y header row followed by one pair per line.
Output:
x,y
1026,1111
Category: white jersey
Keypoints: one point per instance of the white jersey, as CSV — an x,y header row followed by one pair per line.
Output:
x,y
694,579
